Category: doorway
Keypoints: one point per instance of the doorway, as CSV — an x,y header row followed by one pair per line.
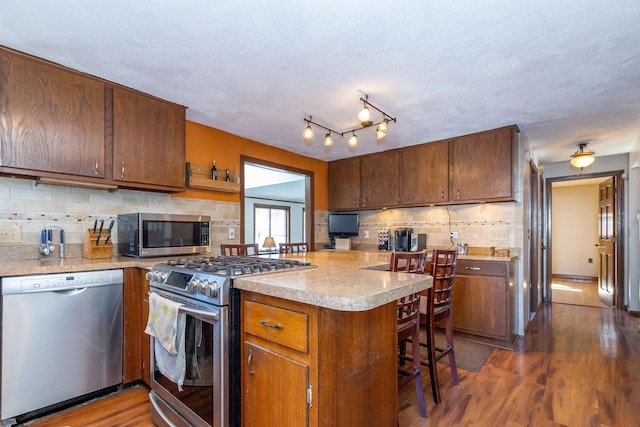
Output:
x,y
278,185
575,240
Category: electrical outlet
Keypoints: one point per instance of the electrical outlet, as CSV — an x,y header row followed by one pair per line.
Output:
x,y
232,233
454,234
366,234
10,234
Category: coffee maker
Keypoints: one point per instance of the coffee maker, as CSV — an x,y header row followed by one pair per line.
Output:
x,y
403,239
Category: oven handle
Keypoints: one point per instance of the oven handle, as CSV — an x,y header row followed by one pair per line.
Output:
x,y
204,314
152,399
208,315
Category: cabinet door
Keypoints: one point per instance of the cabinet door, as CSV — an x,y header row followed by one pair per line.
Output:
x,y
482,166
52,119
344,184
379,180
425,174
276,389
148,140
480,305
136,346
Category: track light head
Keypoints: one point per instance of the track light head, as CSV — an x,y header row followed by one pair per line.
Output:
x,y
327,139
353,141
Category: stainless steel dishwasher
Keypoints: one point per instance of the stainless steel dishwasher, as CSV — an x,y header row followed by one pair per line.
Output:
x,y
61,339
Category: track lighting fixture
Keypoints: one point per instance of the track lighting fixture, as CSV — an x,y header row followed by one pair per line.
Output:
x,y
582,158
327,139
353,141
364,117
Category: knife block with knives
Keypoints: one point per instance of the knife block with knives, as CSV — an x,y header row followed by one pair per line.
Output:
x,y
97,241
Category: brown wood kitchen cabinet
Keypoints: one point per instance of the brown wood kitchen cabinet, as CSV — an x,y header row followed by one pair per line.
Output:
x,y
482,166
344,184
379,177
483,300
53,119
136,349
148,140
304,365
425,174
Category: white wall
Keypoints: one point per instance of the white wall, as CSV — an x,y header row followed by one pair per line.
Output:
x,y
574,229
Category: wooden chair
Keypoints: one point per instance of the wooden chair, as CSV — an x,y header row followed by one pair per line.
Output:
x,y
292,248
239,249
409,322
436,308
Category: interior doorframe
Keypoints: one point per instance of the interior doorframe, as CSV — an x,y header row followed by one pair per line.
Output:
x,y
308,194
620,222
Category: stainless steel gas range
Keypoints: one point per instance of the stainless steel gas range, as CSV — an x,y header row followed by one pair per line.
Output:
x,y
204,286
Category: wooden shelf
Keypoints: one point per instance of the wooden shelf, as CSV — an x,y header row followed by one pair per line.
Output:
x,y
200,177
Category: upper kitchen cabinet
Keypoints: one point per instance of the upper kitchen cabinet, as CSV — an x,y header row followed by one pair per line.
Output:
x,y
52,119
482,166
379,177
425,177
344,184
148,141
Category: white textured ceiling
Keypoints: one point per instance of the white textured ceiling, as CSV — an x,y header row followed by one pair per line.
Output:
x,y
563,71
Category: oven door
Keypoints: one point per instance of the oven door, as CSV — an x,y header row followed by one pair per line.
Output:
x,y
203,400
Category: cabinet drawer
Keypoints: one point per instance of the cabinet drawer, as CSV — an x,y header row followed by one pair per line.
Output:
x,y
481,268
285,327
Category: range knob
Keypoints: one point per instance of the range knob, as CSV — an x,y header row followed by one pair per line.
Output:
x,y
212,290
192,286
202,287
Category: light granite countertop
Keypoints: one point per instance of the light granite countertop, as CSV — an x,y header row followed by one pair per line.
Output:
x,y
346,281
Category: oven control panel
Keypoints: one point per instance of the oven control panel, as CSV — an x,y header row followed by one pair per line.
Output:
x,y
188,282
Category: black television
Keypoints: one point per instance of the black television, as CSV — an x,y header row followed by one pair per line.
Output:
x,y
343,224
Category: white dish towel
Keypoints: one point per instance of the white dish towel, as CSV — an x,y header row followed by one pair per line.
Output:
x,y
166,324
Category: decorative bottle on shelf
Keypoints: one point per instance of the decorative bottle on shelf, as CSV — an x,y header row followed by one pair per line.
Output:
x,y
214,171
227,177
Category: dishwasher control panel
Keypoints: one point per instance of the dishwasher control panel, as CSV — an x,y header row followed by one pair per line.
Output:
x,y
60,281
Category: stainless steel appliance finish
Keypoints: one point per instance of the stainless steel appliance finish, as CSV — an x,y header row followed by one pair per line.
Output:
x,y
149,235
61,338
211,392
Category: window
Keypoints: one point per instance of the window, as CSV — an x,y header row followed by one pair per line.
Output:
x,y
271,221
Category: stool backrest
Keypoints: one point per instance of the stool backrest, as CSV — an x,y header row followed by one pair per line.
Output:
x,y
239,249
291,248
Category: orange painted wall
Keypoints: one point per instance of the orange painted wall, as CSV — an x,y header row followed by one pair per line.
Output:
x,y
205,144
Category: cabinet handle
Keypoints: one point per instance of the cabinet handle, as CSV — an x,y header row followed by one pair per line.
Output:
x,y
473,268
355,202
96,170
270,325
249,363
458,194
442,194
122,171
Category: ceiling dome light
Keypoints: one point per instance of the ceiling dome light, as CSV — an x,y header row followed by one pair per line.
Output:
x,y
308,132
353,141
582,158
327,139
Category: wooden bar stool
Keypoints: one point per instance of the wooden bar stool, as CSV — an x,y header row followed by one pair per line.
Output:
x,y
436,307
239,249
292,248
409,322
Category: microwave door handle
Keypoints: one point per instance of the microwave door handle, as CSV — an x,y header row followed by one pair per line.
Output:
x,y
208,315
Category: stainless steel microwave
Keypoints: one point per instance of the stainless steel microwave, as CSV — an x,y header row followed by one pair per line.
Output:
x,y
149,235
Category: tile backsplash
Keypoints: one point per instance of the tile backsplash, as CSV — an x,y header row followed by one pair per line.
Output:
x,y
35,206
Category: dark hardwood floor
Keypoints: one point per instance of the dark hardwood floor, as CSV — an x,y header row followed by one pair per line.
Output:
x,y
577,366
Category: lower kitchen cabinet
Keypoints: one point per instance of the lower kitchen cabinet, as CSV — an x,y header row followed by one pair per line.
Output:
x,y
304,365
483,300
136,350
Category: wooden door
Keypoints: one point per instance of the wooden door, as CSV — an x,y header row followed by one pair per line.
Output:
x,y
425,174
379,179
344,184
148,140
276,389
52,118
482,166
607,230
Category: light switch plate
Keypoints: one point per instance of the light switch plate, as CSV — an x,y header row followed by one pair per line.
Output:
x,y
10,234
366,234
232,233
